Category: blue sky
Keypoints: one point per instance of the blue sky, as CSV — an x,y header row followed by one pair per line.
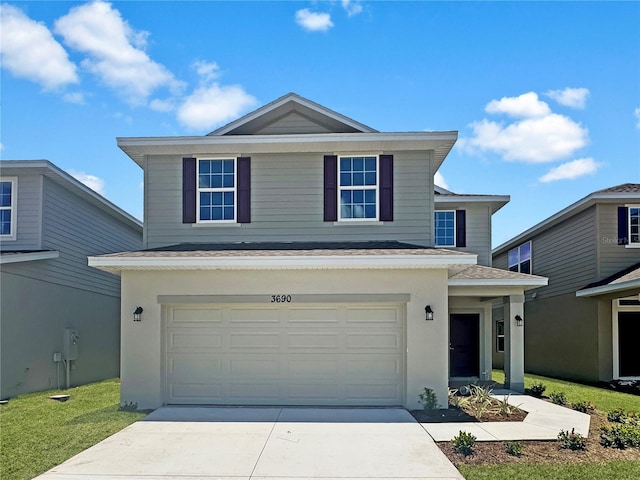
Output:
x,y
545,96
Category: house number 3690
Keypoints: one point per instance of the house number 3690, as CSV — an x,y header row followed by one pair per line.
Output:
x,y
280,298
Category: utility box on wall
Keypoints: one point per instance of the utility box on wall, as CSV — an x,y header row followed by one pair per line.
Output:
x,y
70,340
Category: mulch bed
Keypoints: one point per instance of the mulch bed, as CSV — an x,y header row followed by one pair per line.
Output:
x,y
490,453
455,414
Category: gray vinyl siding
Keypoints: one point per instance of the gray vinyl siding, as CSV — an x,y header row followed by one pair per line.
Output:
x,y
77,229
287,203
565,253
28,213
478,229
612,257
292,124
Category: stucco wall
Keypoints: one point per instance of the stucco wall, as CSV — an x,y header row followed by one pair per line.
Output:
x,y
33,315
427,346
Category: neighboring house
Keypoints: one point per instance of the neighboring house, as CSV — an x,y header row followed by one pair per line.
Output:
x,y
297,257
51,301
585,324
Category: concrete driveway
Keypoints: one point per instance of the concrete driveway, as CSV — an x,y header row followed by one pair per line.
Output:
x,y
202,443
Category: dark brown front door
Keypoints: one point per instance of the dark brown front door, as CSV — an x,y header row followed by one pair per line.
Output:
x,y
464,345
628,337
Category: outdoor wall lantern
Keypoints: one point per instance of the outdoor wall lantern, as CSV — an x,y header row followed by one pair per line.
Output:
x,y
519,321
137,314
428,313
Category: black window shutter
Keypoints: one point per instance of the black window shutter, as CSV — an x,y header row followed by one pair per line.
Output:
x,y
461,228
330,188
623,226
188,190
244,190
386,188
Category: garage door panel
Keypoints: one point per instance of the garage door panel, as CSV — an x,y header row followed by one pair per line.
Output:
x,y
196,315
312,355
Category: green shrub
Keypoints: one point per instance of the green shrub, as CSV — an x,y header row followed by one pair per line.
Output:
x,y
503,407
583,406
428,399
572,441
616,415
514,448
559,398
537,389
464,443
621,435
481,394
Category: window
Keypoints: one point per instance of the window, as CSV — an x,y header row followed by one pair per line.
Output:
x,y
445,228
7,208
520,258
216,190
634,225
500,336
358,188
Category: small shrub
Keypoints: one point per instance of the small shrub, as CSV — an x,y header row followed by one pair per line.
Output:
x,y
481,394
621,435
478,408
514,448
537,389
128,406
583,406
428,399
572,441
464,443
559,398
503,407
616,415
456,400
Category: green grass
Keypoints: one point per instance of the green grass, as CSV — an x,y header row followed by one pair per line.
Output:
x,y
37,433
604,400
620,470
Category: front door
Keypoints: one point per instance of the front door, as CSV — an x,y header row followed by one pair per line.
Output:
x,y
628,335
464,345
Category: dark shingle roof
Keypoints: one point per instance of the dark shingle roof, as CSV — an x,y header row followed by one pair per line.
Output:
x,y
627,274
623,188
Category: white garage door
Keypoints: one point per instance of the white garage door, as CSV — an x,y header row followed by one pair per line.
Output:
x,y
285,355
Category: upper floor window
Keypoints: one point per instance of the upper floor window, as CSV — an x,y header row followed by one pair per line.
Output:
x,y
445,228
634,225
358,188
7,208
520,258
216,190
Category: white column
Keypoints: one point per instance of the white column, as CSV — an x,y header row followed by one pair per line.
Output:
x,y
514,343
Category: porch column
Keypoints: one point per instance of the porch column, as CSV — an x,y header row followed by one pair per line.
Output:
x,y
514,343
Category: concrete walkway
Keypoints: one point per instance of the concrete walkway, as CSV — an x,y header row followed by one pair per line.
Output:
x,y
200,443
543,422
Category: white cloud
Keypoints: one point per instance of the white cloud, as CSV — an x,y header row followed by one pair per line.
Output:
x,y
570,97
209,106
636,113
28,50
352,7
536,136
115,51
526,105
167,105
439,180
571,170
312,21
208,71
91,181
74,97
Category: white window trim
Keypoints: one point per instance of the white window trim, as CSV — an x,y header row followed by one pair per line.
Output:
x,y
358,187
500,336
629,244
615,334
13,208
509,265
223,189
454,228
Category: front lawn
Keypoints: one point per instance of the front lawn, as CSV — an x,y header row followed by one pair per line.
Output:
x,y
37,433
546,460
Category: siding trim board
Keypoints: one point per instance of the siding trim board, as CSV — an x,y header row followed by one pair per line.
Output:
x,y
623,225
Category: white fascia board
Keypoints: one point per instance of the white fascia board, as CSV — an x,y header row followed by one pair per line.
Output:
x,y
572,209
496,201
137,147
609,288
495,282
8,257
278,262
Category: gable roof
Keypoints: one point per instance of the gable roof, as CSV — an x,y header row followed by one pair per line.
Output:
x,y
626,281
256,121
624,192
444,196
64,179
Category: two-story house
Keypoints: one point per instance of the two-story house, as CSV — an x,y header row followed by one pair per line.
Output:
x,y
59,318
296,256
585,324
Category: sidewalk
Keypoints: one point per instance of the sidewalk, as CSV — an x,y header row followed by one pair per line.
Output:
x,y
543,422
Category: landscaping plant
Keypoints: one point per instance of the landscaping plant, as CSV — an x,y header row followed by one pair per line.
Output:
x,y
572,440
514,448
583,406
428,399
559,398
464,443
537,389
